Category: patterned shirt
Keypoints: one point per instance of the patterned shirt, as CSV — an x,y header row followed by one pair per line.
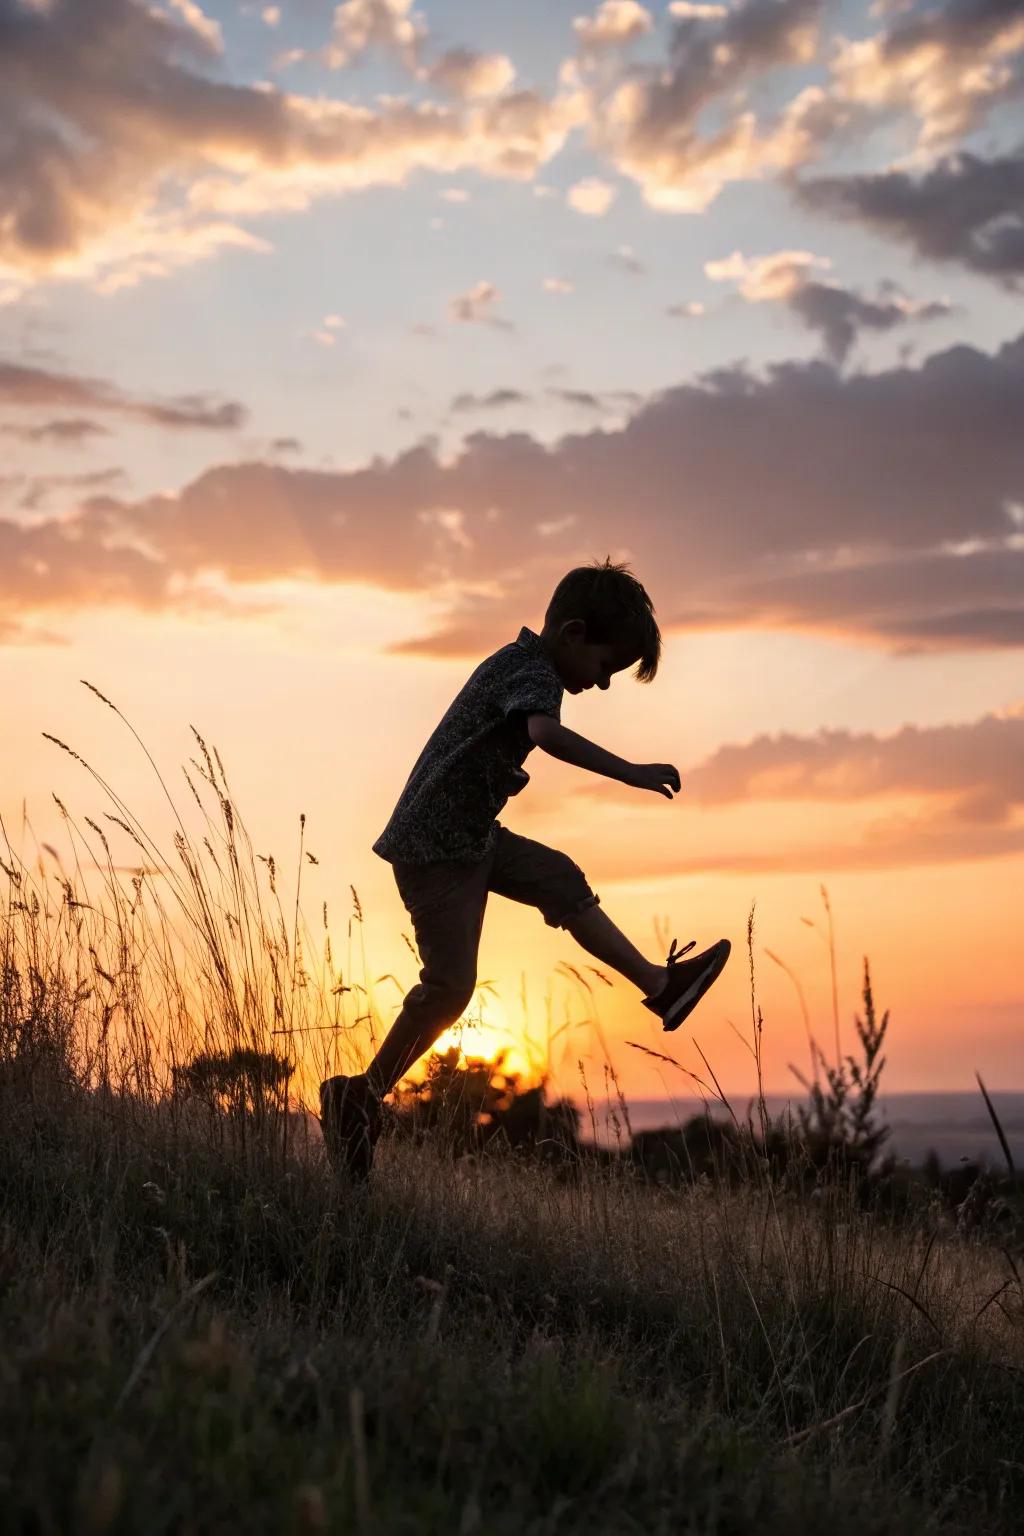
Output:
x,y
473,761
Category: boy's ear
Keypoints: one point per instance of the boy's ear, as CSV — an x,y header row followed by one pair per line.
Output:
x,y
573,629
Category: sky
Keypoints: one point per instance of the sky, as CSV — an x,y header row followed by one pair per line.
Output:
x,y
332,336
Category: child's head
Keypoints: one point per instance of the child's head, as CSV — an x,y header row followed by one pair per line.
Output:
x,y
600,621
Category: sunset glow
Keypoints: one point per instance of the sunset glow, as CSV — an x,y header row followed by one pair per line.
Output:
x,y
335,335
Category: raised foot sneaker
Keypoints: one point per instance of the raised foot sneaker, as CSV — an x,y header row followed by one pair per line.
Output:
x,y
687,982
350,1118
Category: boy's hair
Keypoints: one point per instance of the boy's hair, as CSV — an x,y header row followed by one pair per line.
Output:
x,y
614,607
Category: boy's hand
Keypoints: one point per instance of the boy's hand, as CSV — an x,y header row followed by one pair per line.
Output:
x,y
661,777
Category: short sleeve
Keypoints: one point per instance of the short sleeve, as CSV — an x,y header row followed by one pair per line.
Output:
x,y
532,688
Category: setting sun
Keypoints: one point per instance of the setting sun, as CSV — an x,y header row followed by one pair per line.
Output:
x,y
485,1034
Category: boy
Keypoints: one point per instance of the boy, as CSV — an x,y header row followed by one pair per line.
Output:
x,y
448,850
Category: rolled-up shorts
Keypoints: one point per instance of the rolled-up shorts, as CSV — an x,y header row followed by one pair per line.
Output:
x,y
516,867
446,902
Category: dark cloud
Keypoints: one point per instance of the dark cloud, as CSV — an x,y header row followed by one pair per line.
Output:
x,y
582,399
886,507
973,599
592,400
495,399
72,431
979,766
840,314
965,209
626,260
31,388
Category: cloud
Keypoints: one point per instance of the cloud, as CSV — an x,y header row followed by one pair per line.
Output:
x,y
964,209
626,259
838,314
29,388
469,75
978,767
476,307
496,399
40,487
557,285
591,196
591,400
685,10
947,66
14,633
651,123
883,508
360,25
924,795
394,27
690,309
613,23
682,127
204,27
581,399
128,157
72,431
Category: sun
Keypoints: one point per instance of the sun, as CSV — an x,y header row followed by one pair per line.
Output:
x,y
484,1031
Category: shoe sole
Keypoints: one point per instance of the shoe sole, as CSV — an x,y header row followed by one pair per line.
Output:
x,y
684,1005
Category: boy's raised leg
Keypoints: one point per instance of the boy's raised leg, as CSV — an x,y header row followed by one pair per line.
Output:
x,y
595,931
671,991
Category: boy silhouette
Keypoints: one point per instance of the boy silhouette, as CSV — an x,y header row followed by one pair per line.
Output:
x,y
448,850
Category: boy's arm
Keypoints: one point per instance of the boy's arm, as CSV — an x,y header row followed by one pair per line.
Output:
x,y
556,739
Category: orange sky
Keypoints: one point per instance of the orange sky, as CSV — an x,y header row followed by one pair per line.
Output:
x,y
310,716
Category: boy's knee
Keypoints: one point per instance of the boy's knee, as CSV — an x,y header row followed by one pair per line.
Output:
x,y
442,1002
570,894
567,919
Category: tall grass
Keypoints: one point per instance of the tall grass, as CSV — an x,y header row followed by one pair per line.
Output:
x,y
203,1331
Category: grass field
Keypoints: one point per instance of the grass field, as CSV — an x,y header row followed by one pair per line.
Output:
x,y
203,1331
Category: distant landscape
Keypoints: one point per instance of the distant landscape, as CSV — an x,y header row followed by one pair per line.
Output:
x,y
953,1125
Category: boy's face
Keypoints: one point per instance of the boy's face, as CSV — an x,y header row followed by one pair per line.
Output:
x,y
582,664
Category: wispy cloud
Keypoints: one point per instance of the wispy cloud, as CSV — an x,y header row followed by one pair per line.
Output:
x,y
477,306
30,388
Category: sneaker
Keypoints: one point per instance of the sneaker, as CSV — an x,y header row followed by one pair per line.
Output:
x,y
350,1118
687,982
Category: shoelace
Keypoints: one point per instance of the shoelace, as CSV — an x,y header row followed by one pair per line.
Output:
x,y
675,954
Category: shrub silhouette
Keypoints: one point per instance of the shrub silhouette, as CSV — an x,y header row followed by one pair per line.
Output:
x,y
469,1103
841,1121
241,1081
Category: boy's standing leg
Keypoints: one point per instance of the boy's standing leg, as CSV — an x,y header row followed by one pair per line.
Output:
x,y
446,902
